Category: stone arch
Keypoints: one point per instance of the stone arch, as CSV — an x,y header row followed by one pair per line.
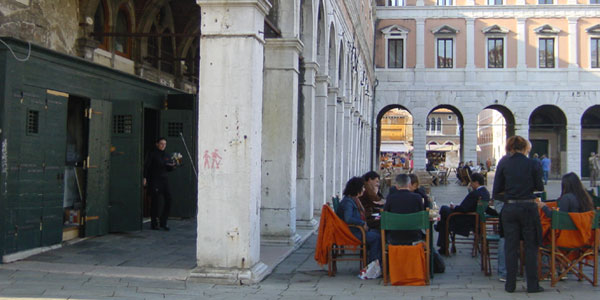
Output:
x,y
590,136
90,11
340,67
129,7
148,18
548,135
332,58
307,31
322,41
491,139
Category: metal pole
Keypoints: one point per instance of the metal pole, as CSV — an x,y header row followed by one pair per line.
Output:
x,y
189,155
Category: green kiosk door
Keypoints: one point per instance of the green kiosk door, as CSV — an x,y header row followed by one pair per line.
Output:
x,y
125,207
98,164
175,124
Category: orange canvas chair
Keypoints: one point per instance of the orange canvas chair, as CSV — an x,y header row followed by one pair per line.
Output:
x,y
336,243
574,241
402,271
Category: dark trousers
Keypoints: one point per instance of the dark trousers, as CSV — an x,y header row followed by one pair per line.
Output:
x,y
521,220
373,240
161,202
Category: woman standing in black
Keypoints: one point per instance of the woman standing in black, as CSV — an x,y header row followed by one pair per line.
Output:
x,y
517,177
156,166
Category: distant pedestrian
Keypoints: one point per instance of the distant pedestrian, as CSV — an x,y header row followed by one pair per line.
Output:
x,y
594,164
156,166
545,167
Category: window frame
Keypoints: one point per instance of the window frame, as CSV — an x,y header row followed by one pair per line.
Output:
x,y
398,3
489,2
105,44
555,52
597,38
437,62
594,33
123,8
395,32
487,46
445,3
553,2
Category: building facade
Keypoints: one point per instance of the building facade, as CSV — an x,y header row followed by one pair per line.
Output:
x,y
535,63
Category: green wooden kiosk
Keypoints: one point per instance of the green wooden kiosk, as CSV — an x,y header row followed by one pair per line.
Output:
x,y
73,137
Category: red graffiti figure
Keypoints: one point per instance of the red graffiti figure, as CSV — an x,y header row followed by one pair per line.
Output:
x,y
216,159
206,160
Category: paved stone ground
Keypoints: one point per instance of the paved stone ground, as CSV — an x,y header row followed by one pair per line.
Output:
x,y
296,277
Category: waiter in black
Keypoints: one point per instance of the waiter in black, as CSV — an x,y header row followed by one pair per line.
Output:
x,y
157,164
517,177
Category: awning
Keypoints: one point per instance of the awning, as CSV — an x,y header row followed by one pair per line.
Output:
x,y
396,147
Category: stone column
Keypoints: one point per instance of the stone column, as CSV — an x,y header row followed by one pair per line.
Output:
x,y
470,138
355,143
419,140
231,77
347,142
522,128
420,52
279,141
332,147
340,151
306,149
521,50
470,51
574,147
573,50
322,82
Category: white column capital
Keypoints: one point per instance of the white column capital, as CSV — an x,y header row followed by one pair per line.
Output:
x,y
573,20
263,5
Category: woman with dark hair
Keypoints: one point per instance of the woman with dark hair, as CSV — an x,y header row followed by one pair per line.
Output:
x,y
573,196
371,198
353,213
517,177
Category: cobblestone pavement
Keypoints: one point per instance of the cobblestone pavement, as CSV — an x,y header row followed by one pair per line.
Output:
x,y
297,277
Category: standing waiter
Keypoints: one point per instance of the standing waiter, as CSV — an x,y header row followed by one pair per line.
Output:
x,y
157,164
517,177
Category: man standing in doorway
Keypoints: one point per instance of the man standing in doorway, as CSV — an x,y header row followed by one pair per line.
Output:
x,y
545,167
157,164
593,163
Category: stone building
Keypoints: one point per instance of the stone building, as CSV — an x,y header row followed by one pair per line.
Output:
x,y
284,108
536,63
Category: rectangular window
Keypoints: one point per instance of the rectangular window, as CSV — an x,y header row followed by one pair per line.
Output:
x,y
445,55
545,1
122,124
595,59
33,122
444,2
495,53
395,2
494,2
174,128
594,1
546,53
396,53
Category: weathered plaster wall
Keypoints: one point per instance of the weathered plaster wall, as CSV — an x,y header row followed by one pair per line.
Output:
x,y
49,23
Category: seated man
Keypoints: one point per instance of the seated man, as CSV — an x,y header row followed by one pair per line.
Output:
x,y
462,224
404,201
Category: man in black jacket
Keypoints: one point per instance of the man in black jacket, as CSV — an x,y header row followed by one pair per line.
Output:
x,y
156,166
462,224
403,201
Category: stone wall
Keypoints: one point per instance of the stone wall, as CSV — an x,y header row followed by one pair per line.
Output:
x,y
49,23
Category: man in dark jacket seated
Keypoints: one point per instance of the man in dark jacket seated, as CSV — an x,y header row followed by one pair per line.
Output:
x,y
462,224
403,201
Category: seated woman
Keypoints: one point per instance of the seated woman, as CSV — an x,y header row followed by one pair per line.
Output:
x,y
353,213
417,189
371,199
573,196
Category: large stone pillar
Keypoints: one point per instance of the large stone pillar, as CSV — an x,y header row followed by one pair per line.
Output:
x,y
419,140
332,147
347,142
231,77
522,128
321,148
355,143
340,151
306,149
574,148
470,138
279,141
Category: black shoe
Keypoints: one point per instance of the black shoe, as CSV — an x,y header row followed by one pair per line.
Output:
x,y
538,290
509,288
154,227
166,228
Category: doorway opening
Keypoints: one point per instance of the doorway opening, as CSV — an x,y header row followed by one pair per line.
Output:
x,y
444,138
590,137
395,136
494,125
151,134
548,136
75,175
